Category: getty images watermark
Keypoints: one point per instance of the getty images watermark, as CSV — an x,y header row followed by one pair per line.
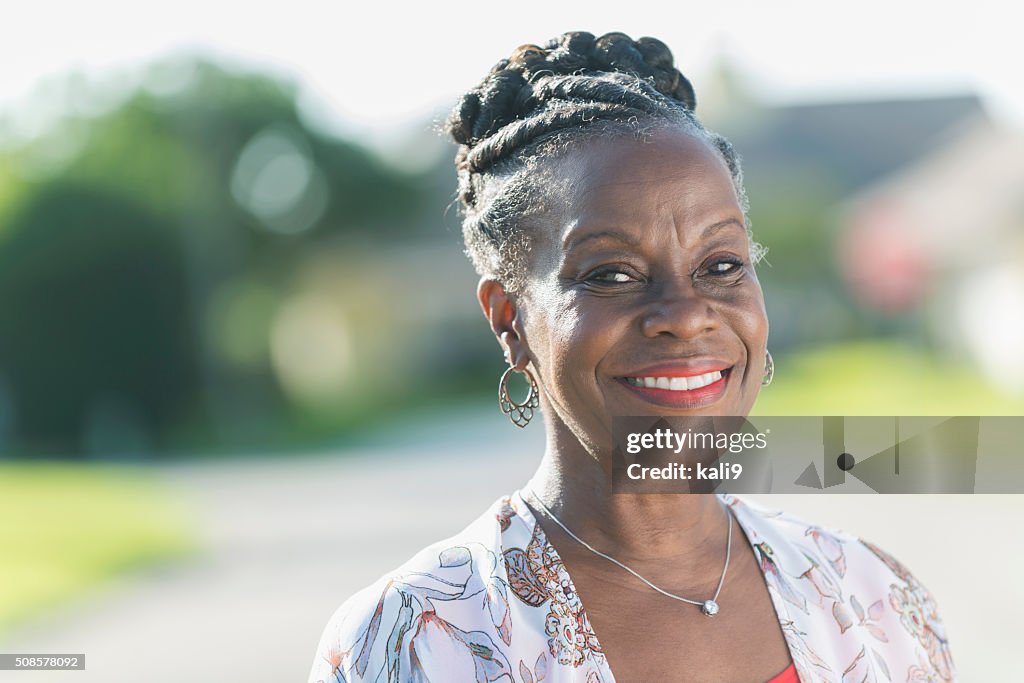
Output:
x,y
665,440
706,454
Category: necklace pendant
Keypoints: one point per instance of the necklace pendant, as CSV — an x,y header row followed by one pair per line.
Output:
x,y
710,608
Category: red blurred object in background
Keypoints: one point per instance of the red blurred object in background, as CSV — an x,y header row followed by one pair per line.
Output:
x,y
882,258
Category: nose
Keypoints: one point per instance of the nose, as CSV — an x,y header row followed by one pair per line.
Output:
x,y
678,310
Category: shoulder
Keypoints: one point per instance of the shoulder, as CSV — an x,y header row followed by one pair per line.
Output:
x,y
438,608
848,587
815,545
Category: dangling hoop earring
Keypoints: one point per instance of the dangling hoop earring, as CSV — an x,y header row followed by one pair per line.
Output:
x,y
519,413
769,369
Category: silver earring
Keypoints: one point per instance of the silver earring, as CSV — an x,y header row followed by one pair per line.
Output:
x,y
769,369
519,413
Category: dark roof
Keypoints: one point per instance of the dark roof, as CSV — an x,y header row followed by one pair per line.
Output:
x,y
854,142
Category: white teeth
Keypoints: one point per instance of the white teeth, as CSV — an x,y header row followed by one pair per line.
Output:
x,y
676,383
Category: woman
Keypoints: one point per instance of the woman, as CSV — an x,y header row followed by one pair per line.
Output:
x,y
610,231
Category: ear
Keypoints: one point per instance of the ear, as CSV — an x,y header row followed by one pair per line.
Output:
x,y
506,319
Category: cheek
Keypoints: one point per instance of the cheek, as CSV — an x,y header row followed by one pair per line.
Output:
x,y
750,323
754,328
578,336
748,319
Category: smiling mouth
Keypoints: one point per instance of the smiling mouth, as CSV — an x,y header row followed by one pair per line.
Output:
x,y
675,392
677,383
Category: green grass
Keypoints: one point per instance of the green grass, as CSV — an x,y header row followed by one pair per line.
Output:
x,y
880,378
66,528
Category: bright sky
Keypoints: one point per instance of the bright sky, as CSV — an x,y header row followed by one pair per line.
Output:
x,y
375,68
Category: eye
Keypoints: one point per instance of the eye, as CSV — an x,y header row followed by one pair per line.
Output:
x,y
725,266
609,276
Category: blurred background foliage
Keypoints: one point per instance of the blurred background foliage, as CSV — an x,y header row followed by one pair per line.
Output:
x,y
200,270
193,268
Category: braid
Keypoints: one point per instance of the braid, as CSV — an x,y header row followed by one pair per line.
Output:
x,y
535,104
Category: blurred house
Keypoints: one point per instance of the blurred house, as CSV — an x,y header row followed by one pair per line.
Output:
x,y
945,234
854,143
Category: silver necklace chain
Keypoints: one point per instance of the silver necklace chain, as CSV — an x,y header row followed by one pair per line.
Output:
x,y
709,607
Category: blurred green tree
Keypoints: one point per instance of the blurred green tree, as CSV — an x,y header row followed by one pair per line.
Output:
x,y
110,258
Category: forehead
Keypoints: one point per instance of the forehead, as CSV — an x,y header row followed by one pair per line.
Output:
x,y
671,177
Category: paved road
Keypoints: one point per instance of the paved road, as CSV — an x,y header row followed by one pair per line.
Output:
x,y
288,539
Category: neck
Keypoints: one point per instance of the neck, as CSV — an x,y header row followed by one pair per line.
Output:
x,y
575,485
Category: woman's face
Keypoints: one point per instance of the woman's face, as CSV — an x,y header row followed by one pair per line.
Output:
x,y
641,298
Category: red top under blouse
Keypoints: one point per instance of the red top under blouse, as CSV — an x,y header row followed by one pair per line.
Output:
x,y
787,676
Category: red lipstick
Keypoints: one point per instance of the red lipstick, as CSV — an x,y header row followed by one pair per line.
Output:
x,y
680,376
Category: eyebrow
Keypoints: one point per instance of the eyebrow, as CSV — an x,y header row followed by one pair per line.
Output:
x,y
634,242
601,234
715,227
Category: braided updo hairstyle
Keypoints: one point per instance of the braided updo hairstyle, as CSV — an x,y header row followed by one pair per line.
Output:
x,y
537,104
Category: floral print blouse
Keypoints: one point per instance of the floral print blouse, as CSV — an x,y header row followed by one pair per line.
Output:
x,y
495,603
